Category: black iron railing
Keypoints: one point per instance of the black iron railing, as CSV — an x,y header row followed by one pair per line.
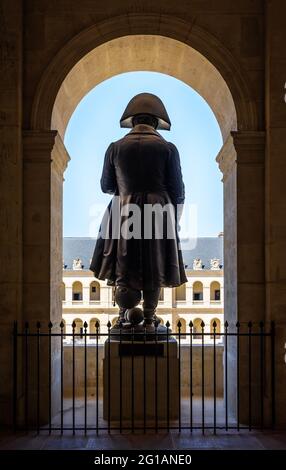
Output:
x,y
177,390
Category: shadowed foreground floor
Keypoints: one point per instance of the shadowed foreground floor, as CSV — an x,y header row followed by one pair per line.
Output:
x,y
150,440
172,440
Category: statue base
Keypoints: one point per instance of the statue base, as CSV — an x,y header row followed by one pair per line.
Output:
x,y
137,377
129,332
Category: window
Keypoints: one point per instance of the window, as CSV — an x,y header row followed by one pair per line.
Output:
x,y
217,294
92,328
183,328
197,328
94,291
77,291
78,328
217,329
198,291
198,296
215,291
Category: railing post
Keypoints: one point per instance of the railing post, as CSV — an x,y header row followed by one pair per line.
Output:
x,y
85,378
15,375
179,325
214,372
109,377
50,376
62,375
273,409
226,373
168,377
261,327
203,376
97,373
73,377
238,374
191,375
249,376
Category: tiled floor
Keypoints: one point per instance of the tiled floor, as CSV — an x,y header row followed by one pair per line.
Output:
x,y
172,440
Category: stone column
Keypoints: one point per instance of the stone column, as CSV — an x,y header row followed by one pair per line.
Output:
x,y
241,161
45,160
275,193
11,35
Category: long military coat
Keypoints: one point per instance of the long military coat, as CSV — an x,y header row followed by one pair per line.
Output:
x,y
141,168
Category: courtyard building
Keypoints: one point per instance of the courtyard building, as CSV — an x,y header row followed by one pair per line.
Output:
x,y
86,299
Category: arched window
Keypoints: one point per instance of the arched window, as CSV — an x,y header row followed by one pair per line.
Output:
x,y
217,329
197,328
183,328
78,327
215,291
63,292
161,296
94,291
92,327
77,291
198,292
180,292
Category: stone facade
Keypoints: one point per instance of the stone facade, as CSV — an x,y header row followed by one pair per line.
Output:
x,y
200,299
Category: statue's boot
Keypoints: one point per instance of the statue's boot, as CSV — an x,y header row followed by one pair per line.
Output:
x,y
151,298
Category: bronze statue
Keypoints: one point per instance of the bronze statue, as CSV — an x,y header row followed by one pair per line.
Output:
x,y
141,170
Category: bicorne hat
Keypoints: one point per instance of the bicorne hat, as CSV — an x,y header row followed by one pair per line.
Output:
x,y
146,103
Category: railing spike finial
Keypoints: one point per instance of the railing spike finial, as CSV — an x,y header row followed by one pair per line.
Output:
x,y
73,324
168,324
191,324
50,325
85,325
62,325
226,324
179,324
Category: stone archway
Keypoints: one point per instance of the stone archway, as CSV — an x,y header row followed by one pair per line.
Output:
x,y
168,45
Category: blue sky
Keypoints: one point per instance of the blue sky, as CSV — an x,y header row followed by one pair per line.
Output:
x,y
95,123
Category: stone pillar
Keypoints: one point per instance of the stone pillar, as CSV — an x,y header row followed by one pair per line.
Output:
x,y
206,294
275,192
85,292
241,161
45,160
10,194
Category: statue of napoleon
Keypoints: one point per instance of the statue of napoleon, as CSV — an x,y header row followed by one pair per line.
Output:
x,y
138,248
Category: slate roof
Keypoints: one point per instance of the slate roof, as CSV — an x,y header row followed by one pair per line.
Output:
x,y
204,248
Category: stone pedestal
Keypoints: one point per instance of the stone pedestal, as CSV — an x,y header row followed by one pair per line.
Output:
x,y
119,361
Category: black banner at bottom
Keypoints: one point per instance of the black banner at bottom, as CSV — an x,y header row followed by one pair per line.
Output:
x,y
125,459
